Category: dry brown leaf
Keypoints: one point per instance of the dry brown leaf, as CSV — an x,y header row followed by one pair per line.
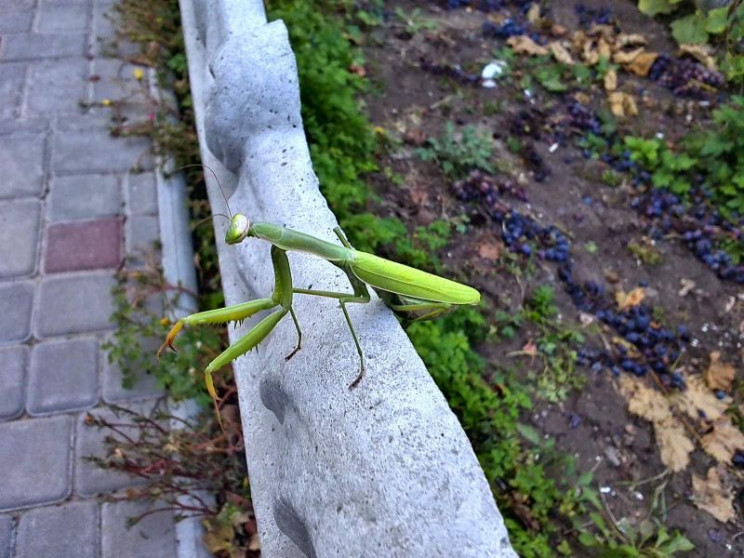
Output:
x,y
490,250
723,441
702,53
719,375
675,446
254,542
560,53
629,39
610,80
533,14
604,49
644,401
709,495
641,64
522,44
626,57
606,32
633,298
622,104
699,402
687,286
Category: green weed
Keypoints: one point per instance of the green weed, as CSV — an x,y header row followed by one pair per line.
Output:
x,y
459,153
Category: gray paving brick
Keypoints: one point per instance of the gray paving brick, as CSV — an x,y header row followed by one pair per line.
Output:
x,y
19,240
15,360
83,196
98,151
57,87
90,479
16,303
16,21
9,6
65,531
12,79
152,536
35,461
22,161
77,304
32,46
6,536
63,376
64,17
144,387
14,125
142,193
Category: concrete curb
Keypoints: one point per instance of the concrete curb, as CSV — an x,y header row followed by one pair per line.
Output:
x,y
384,469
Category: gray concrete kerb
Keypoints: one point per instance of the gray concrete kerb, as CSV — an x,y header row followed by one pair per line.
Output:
x,y
384,469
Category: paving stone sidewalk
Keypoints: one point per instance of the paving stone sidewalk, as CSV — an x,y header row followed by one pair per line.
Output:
x,y
70,209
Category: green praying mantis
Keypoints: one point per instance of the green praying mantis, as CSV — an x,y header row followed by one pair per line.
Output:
x,y
413,290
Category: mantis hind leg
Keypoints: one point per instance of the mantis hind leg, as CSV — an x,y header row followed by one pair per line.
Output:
x,y
411,305
359,296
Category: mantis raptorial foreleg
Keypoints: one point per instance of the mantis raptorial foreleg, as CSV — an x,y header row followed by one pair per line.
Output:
x,y
282,297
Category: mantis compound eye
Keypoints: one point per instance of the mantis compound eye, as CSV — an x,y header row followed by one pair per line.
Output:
x,y
239,228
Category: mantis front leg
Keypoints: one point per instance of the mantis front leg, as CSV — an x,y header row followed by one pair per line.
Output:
x,y
282,297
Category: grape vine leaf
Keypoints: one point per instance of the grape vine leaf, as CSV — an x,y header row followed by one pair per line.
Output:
x,y
690,29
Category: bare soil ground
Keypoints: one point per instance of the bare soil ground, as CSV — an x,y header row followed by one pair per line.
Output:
x,y
414,103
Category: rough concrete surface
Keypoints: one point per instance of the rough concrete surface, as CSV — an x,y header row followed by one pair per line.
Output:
x,y
381,470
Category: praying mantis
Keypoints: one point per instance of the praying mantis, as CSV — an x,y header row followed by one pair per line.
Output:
x,y
413,290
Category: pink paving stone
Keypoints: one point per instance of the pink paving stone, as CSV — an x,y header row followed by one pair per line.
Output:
x,y
83,245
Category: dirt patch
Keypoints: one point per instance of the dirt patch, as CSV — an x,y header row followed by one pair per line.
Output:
x,y
425,78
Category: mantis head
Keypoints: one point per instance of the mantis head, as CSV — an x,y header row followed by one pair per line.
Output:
x,y
239,228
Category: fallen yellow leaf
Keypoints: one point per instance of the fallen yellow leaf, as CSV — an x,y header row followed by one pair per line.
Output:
x,y
644,401
622,104
560,53
522,44
723,441
633,298
709,495
719,375
610,80
699,402
675,446
641,64
703,53
626,57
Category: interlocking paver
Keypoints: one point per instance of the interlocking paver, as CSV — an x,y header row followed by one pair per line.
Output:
x,y
153,536
142,194
19,234
22,161
6,536
12,78
65,531
35,461
57,87
74,304
16,21
31,46
15,361
98,151
83,245
64,17
84,196
16,301
63,376
90,479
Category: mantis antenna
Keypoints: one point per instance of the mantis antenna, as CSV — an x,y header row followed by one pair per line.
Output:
x,y
224,197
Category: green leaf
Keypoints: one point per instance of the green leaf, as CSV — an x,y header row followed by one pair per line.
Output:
x,y
653,7
690,29
716,21
529,434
